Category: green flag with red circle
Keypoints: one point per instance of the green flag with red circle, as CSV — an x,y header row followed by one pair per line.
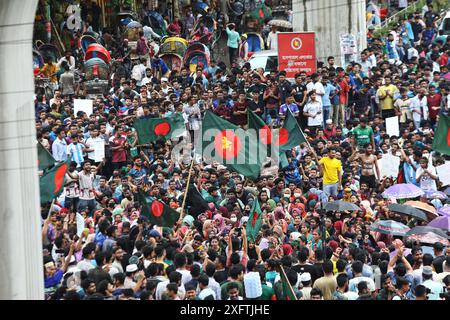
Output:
x,y
441,142
157,211
254,221
230,145
159,129
52,182
290,135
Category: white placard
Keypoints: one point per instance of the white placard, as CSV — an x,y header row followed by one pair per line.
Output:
x,y
389,166
443,173
80,224
99,150
85,105
392,126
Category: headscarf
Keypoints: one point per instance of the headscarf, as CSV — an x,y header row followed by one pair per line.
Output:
x,y
338,227
279,213
222,225
287,249
224,211
188,220
271,204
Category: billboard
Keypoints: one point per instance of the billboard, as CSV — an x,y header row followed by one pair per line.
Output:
x,y
296,53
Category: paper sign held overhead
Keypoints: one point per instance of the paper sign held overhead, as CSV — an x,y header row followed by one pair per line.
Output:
x,y
85,105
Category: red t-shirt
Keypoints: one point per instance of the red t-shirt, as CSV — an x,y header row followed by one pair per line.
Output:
x,y
119,155
345,88
433,101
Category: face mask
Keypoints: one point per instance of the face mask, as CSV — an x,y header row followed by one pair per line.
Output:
x,y
233,220
287,195
297,195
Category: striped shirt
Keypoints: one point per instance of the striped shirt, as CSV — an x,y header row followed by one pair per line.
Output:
x,y
75,151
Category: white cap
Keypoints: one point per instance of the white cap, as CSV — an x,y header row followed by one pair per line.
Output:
x,y
305,277
164,79
295,235
132,268
329,121
252,284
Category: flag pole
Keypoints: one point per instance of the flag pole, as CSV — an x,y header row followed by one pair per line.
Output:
x,y
289,284
187,188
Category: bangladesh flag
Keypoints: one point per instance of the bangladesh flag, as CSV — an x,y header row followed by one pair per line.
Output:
x,y
254,221
441,140
290,135
230,145
264,131
157,211
52,182
45,159
288,292
155,129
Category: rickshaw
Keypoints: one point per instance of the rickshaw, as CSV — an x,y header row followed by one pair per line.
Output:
x,y
172,51
49,50
197,54
38,62
85,41
96,50
154,20
96,77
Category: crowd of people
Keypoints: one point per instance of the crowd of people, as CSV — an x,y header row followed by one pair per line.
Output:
x,y
120,255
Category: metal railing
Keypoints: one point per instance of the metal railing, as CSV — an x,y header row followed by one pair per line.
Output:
x,y
395,16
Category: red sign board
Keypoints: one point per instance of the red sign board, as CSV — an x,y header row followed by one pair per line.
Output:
x,y
296,53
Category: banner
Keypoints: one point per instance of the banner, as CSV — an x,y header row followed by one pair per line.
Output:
x,y
85,105
296,53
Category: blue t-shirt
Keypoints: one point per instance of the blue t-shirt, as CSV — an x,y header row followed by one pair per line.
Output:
x,y
54,280
329,88
291,172
99,239
160,64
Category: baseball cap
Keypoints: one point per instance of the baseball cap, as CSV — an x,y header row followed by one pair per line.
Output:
x,y
132,268
305,277
427,270
154,233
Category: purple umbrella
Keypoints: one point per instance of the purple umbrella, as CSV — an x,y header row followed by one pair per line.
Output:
x,y
441,223
403,191
444,211
432,194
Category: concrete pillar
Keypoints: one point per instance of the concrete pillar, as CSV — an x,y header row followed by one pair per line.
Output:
x,y
21,270
329,19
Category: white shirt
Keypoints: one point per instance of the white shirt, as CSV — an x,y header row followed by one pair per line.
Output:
x,y
70,62
95,143
85,265
318,86
313,108
207,292
426,183
185,275
59,149
161,287
353,284
419,105
272,41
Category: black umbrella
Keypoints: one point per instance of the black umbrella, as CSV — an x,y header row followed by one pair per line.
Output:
x,y
341,206
424,230
408,210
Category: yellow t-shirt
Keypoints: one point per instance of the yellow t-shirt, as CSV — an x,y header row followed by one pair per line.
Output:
x,y
49,71
331,167
388,102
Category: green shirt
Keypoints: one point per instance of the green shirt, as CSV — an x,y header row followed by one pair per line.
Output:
x,y
233,39
267,292
363,135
